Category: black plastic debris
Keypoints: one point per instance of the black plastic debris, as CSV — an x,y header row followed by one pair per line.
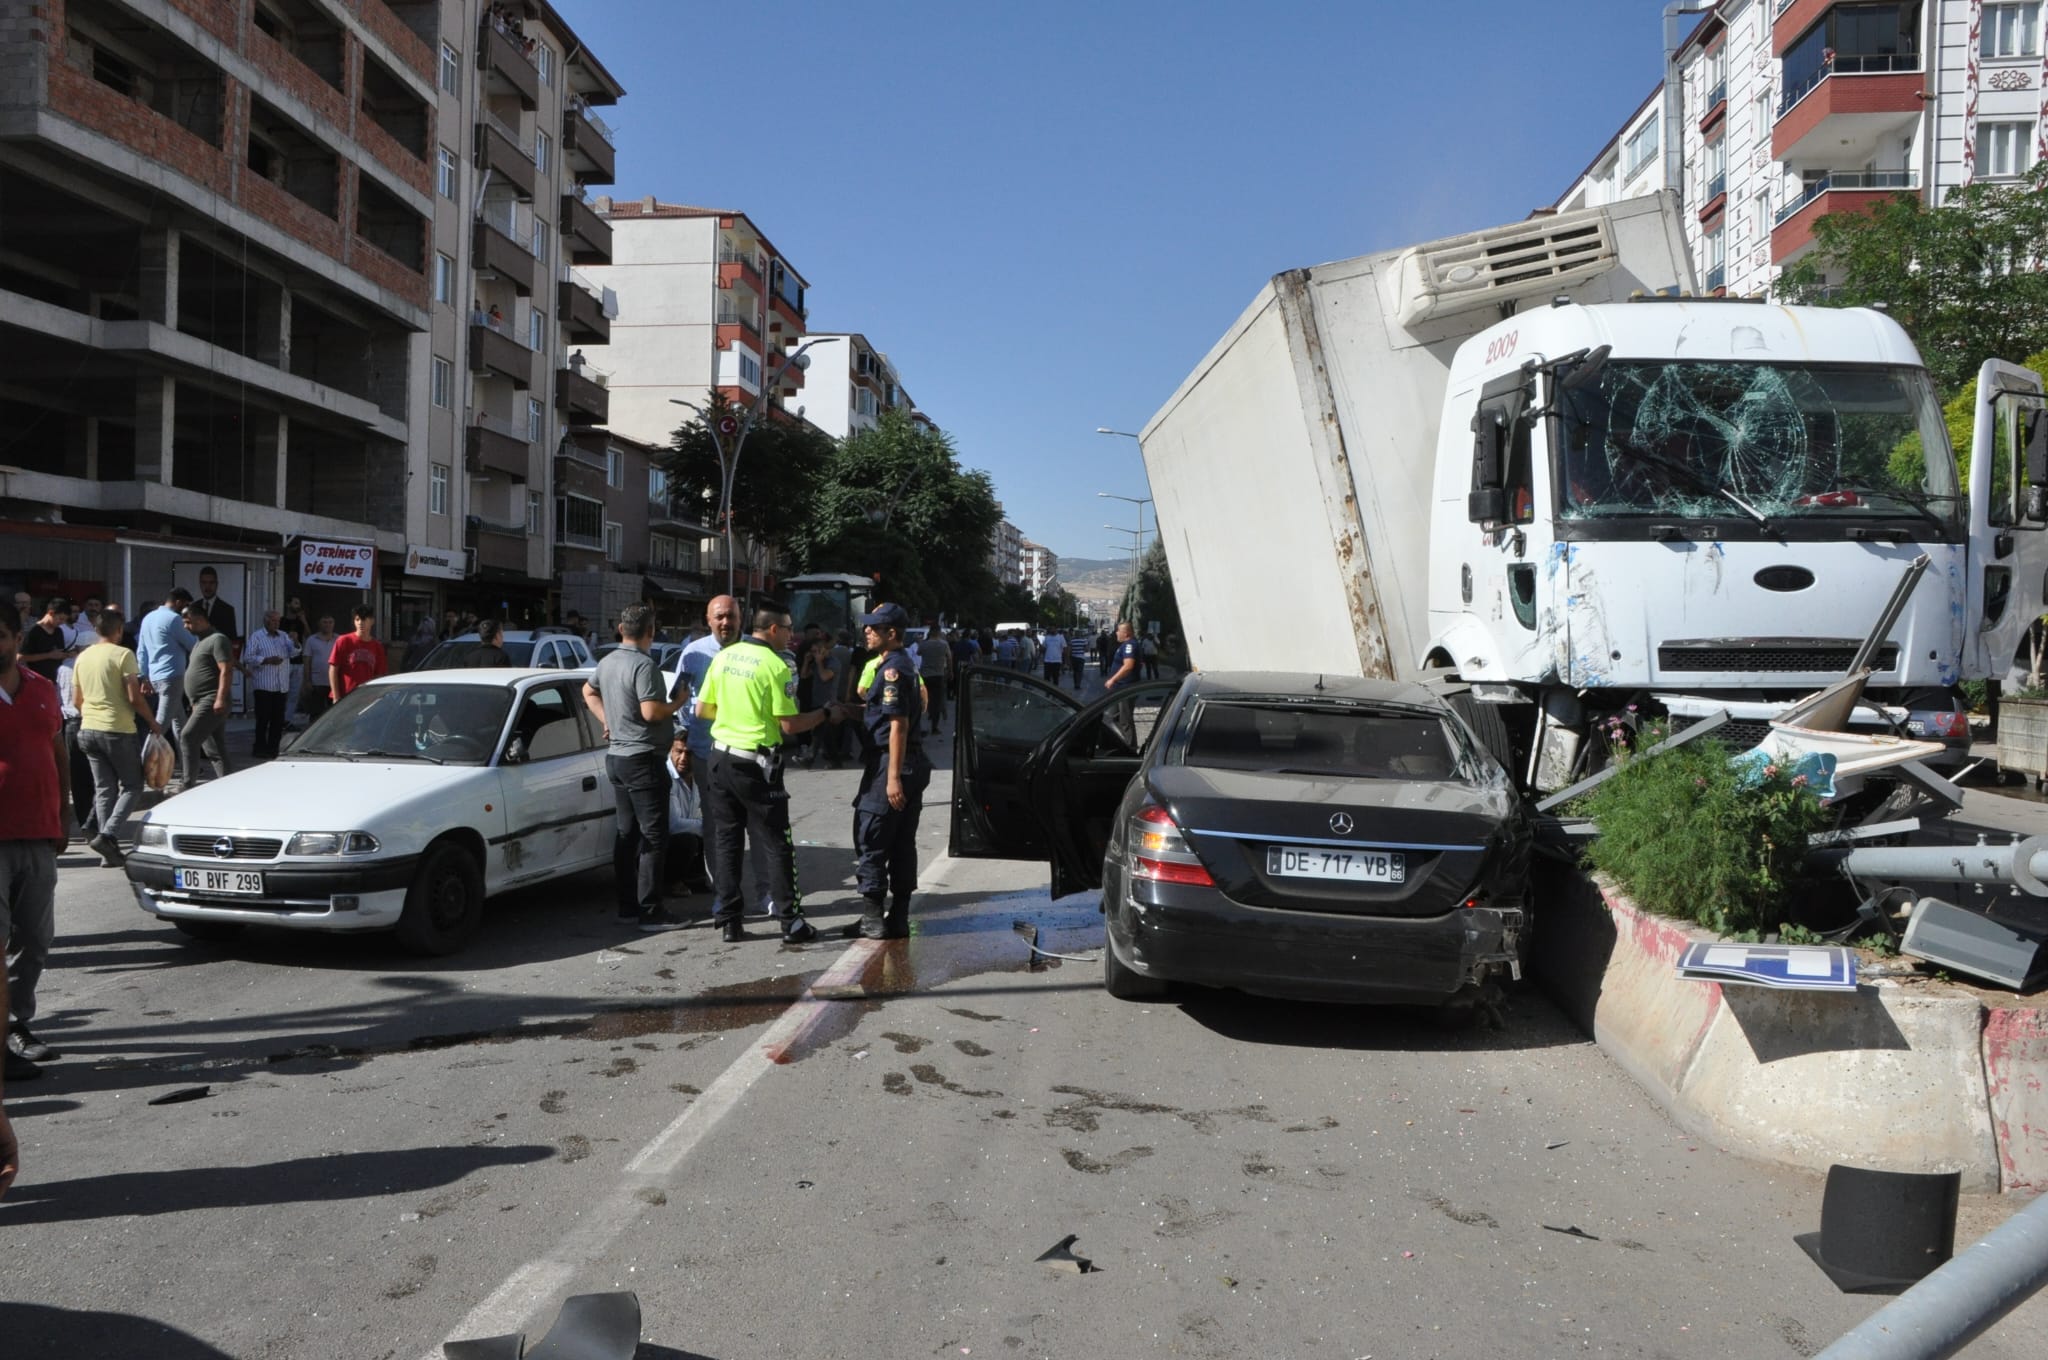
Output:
x,y
1573,1231
181,1095
589,1327
1062,1257
1880,1231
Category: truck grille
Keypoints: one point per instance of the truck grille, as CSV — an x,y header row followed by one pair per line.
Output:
x,y
1802,656
1735,735
241,847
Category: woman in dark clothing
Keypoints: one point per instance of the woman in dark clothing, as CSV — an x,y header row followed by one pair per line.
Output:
x,y
487,651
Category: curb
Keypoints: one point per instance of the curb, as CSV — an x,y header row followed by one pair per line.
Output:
x,y
1923,1078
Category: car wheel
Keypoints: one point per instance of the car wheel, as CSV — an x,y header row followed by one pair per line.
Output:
x,y
209,930
445,903
1123,983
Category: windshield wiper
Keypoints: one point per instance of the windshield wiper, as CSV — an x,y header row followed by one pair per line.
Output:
x,y
1918,507
1695,480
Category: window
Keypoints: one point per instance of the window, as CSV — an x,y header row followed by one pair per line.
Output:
x,y
1640,149
1715,172
614,468
2004,150
540,240
444,173
1760,215
579,522
542,149
534,424
657,486
437,487
444,382
1714,251
544,62
614,541
750,369
1760,118
533,512
536,329
451,70
444,278
2011,31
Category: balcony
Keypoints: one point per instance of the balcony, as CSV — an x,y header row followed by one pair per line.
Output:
x,y
501,56
581,310
733,327
1716,279
498,149
1838,191
738,267
493,248
1845,111
499,548
789,311
492,445
587,236
491,352
587,142
581,395
1715,104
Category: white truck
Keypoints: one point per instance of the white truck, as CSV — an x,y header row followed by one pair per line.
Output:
x,y
1530,456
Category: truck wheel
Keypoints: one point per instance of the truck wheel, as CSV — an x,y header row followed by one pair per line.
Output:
x,y
445,903
1123,983
1487,725
209,930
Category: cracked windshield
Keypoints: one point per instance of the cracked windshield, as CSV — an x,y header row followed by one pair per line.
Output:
x,y
1768,442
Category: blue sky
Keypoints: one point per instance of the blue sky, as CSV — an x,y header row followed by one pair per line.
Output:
x,y
1045,213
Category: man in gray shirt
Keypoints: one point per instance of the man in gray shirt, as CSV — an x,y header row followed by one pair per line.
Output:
x,y
629,696
209,685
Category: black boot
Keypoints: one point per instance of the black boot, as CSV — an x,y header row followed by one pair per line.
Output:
x,y
870,925
896,924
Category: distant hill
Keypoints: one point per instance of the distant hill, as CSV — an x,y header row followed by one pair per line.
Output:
x,y
1092,578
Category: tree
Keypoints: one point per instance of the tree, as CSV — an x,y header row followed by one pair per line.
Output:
x,y
783,464
1150,598
1057,609
894,501
1965,279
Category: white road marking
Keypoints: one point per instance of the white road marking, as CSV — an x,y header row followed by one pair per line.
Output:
x,y
515,1303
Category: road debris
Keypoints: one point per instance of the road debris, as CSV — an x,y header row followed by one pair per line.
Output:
x,y
1574,1231
181,1095
1062,1258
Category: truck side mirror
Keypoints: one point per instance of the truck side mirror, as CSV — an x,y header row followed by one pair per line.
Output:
x,y
2037,466
1489,448
1488,505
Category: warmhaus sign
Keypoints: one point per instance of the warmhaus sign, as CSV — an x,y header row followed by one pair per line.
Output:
x,y
444,563
326,563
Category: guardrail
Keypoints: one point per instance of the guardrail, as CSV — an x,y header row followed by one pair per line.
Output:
x,y
1850,64
1848,179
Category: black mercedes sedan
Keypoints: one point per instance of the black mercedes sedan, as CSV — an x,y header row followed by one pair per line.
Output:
x,y
1302,836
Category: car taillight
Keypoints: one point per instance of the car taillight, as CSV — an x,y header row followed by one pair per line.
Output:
x,y
1160,852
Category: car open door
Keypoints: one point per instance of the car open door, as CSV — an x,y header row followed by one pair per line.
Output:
x,y
1077,777
1000,717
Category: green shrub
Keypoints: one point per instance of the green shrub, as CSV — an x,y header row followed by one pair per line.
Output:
x,y
1684,835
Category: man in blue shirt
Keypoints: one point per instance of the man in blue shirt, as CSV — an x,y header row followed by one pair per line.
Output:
x,y
1123,663
893,781
162,643
691,752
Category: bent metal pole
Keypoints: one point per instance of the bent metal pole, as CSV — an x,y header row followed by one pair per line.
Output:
x,y
1957,1303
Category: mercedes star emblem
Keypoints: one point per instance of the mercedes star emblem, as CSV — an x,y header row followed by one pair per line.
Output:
x,y
1341,823
224,846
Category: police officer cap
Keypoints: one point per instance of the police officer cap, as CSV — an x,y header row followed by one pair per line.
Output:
x,y
886,616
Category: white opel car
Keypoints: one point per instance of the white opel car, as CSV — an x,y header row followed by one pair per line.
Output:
x,y
403,807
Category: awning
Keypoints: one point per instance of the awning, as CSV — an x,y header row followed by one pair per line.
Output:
x,y
675,587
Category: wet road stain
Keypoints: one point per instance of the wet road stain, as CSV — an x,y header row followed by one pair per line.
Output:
x,y
971,1048
1178,1218
648,1194
1315,1127
453,1199
906,1043
1084,1114
683,1088
931,1076
972,1015
1081,1161
896,1084
1260,1169
1471,1217
575,1148
621,1067
551,1103
418,1271
715,1009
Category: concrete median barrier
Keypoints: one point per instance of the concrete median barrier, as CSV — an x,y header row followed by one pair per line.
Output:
x,y
1902,1075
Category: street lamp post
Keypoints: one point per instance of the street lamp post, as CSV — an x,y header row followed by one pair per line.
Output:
x,y
1137,546
738,430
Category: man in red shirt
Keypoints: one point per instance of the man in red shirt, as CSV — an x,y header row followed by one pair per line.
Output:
x,y
35,799
357,658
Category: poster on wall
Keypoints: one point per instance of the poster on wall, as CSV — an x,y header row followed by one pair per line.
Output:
x,y
324,562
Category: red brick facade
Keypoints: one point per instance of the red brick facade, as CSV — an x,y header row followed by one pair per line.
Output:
x,y
74,94
1846,94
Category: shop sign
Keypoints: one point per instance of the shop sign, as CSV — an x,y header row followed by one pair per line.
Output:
x,y
442,563
323,562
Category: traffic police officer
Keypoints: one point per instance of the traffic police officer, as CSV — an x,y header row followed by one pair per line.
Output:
x,y
893,780
749,694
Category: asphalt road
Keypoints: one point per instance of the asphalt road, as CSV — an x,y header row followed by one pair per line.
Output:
x,y
394,1153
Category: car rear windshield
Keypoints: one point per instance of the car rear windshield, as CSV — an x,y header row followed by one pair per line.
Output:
x,y
453,655
1345,741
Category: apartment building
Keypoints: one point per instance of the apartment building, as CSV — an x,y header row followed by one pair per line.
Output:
x,y
1040,568
1006,554
1789,110
519,145
849,383
214,217
1629,166
618,538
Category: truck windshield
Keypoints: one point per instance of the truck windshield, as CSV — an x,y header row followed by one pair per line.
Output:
x,y
1772,442
827,606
